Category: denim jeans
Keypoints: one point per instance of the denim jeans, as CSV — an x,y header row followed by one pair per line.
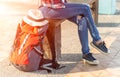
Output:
x,y
70,12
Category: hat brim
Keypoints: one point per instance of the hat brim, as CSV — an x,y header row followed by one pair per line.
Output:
x,y
34,23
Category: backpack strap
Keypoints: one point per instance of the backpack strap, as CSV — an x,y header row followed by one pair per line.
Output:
x,y
37,50
23,43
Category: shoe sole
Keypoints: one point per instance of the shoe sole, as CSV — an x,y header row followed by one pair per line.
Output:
x,y
95,63
99,49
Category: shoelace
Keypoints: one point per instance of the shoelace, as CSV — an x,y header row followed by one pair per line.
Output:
x,y
102,44
89,56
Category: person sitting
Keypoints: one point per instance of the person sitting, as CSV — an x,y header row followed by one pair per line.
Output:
x,y
60,9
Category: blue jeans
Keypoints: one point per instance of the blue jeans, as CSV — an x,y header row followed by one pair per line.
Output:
x,y
71,12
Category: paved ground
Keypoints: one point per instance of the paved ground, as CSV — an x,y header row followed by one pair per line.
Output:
x,y
109,27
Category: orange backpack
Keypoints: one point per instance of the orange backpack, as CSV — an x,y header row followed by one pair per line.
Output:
x,y
27,51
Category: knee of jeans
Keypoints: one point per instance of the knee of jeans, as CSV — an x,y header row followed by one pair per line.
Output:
x,y
87,6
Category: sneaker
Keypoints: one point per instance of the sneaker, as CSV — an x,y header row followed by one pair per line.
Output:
x,y
88,58
101,47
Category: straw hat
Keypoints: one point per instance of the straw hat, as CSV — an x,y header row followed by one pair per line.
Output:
x,y
35,17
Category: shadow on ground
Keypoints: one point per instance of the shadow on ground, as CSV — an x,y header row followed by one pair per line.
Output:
x,y
70,61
